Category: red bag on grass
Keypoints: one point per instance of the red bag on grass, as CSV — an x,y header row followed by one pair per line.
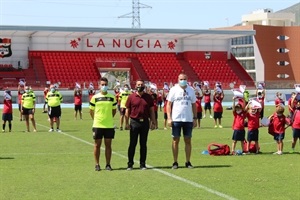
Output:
x,y
252,148
216,149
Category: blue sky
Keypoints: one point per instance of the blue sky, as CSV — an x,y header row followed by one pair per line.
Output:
x,y
182,14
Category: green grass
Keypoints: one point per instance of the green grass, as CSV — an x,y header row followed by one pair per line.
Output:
x,y
47,165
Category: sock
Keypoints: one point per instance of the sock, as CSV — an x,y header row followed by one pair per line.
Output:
x,y
9,126
3,126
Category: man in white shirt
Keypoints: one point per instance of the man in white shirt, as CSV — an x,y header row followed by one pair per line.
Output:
x,y
182,114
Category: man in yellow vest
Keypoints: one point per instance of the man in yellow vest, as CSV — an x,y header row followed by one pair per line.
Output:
x,y
53,100
103,108
28,107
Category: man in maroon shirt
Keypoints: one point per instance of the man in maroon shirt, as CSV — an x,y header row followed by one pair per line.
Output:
x,y
139,108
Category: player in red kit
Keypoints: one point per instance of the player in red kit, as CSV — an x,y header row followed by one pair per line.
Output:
x,y
7,111
78,102
46,90
239,115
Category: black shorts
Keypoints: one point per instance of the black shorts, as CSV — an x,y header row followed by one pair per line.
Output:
x,y
218,115
207,106
296,133
20,106
252,135
199,115
155,114
7,117
107,133
27,111
238,135
78,107
54,111
165,116
261,113
122,111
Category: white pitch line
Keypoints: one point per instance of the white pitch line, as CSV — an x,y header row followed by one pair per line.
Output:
x,y
197,185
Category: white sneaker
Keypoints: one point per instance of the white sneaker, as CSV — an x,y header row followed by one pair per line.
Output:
x,y
51,130
210,116
279,153
58,130
165,128
203,116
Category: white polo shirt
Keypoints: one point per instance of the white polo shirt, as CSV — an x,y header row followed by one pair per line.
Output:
x,y
182,100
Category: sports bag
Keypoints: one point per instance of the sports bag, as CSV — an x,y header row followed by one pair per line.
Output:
x,y
271,127
216,149
252,148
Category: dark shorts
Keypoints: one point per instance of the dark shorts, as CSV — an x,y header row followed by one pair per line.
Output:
x,y
165,116
186,127
252,135
54,111
122,111
119,107
20,106
107,133
238,135
7,117
218,115
155,114
296,133
207,106
278,136
27,111
159,103
262,113
78,107
199,115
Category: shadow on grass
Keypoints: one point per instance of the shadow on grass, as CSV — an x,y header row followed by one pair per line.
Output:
x,y
6,158
180,167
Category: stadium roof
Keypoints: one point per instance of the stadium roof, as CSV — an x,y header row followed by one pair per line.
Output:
x,y
53,31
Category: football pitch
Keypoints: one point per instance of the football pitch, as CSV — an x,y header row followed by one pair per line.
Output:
x,y
44,165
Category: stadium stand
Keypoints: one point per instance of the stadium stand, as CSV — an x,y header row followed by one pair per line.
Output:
x,y
84,67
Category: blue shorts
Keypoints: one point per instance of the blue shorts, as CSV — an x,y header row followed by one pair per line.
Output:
x,y
186,127
7,117
252,135
279,136
296,133
238,135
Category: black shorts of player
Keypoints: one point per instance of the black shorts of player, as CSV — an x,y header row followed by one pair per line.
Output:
x,y
279,136
122,111
7,117
296,133
78,108
207,106
261,113
238,135
54,111
20,106
107,133
252,135
159,103
165,116
27,111
218,115
155,114
199,115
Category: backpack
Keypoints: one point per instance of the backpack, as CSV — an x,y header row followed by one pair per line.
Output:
x,y
216,149
252,148
271,127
